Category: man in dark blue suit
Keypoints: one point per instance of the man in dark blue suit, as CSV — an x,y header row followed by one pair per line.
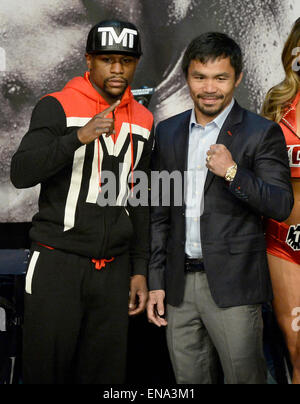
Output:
x,y
208,254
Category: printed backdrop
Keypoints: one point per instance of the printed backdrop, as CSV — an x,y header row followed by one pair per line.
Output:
x,y
42,45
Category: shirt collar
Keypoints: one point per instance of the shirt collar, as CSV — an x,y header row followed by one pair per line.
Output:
x,y
219,120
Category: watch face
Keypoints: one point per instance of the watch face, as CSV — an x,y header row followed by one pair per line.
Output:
x,y
230,174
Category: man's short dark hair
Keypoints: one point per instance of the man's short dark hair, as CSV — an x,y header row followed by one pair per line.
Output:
x,y
211,46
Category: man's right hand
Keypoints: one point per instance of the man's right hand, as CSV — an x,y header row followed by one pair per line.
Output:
x,y
156,308
97,126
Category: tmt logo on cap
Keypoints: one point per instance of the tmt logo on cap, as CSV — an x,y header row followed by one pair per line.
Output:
x,y
114,36
109,37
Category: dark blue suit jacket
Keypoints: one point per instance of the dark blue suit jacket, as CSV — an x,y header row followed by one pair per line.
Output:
x,y
232,233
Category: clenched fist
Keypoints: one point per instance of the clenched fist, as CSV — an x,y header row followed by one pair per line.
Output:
x,y
219,159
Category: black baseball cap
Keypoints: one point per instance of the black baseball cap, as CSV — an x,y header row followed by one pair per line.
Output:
x,y
114,36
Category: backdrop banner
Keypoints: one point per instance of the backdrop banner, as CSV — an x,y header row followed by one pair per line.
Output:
x,y
42,46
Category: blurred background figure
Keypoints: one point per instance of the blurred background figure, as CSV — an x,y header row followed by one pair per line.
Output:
x,y
282,105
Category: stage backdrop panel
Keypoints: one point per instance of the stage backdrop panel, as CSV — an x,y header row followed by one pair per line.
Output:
x,y
42,45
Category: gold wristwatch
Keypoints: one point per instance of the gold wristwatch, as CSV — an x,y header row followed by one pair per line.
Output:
x,y
230,173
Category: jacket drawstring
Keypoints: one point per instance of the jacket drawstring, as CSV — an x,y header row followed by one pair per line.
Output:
x,y
131,145
101,263
98,145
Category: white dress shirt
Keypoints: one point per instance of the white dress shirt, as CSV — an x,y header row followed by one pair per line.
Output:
x,y
200,140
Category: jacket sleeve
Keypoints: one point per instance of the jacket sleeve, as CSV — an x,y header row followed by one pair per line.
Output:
x,y
46,148
160,225
140,217
267,188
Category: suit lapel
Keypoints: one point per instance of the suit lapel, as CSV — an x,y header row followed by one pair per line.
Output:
x,y
227,135
181,142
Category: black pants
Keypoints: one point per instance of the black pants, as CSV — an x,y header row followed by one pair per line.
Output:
x,y
76,319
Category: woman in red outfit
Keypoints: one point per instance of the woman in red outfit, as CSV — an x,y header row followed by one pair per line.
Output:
x,y
282,105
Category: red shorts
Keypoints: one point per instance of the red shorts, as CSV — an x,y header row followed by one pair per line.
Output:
x,y
283,241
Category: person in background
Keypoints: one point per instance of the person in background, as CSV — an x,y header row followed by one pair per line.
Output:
x,y
282,105
86,255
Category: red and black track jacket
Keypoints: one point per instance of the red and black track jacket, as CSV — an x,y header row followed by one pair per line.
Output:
x,y
50,154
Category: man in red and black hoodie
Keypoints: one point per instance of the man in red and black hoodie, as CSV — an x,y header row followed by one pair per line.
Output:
x,y
86,257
